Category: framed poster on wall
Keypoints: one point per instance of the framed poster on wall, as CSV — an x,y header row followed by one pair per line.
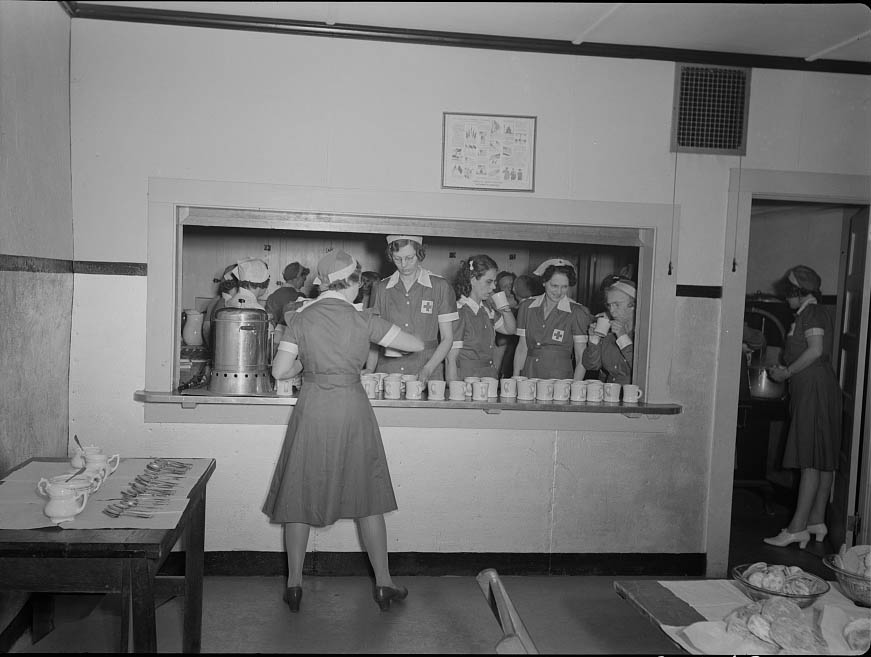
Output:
x,y
488,151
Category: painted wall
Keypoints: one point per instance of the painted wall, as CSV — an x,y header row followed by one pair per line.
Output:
x,y
35,222
174,102
781,238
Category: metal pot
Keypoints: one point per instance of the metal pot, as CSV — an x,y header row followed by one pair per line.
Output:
x,y
241,352
761,386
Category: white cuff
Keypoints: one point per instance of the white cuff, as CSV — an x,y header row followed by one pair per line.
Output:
x,y
578,339
624,341
449,317
390,336
521,332
458,344
289,347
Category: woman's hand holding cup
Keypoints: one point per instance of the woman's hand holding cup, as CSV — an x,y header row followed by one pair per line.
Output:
x,y
500,301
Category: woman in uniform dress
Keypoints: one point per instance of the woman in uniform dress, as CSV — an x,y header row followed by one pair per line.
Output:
x,y
474,347
814,438
551,327
612,355
332,463
418,302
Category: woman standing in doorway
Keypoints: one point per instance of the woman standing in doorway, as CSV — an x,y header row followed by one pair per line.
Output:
x,y
814,438
332,464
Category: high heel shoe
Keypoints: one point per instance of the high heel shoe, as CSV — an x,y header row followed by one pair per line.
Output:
x,y
384,594
785,538
819,531
292,596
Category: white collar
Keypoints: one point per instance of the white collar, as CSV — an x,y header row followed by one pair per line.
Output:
x,y
422,278
805,304
564,304
332,294
473,305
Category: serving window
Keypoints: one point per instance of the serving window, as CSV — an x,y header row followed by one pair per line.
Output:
x,y
190,244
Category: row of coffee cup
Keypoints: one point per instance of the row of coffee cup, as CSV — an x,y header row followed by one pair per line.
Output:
x,y
395,386
529,389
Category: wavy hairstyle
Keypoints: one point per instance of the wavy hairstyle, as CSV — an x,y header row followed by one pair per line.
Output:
x,y
477,266
568,270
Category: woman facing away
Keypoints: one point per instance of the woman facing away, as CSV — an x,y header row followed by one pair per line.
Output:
x,y
332,463
814,437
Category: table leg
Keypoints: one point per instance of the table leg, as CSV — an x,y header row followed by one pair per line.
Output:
x,y
124,642
193,581
142,573
43,615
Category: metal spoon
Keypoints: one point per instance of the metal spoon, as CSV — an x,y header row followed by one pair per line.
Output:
x,y
125,512
76,438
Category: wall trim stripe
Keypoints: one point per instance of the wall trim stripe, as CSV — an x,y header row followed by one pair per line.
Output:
x,y
700,291
37,265
438,564
455,39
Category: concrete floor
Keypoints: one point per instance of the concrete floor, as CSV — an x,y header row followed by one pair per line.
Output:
x,y
441,614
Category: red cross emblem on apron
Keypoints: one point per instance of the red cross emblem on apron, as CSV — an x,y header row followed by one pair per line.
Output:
x,y
426,307
558,335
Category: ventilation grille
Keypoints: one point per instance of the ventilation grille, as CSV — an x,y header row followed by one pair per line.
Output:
x,y
710,109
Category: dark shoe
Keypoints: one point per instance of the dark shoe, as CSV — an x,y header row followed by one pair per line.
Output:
x,y
292,596
384,594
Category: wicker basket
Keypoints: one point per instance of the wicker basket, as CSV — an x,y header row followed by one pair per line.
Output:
x,y
855,586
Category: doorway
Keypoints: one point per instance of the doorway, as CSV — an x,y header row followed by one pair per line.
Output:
x,y
746,187
782,234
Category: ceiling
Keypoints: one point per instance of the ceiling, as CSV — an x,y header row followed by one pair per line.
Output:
x,y
805,32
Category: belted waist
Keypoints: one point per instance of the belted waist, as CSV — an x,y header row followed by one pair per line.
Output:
x,y
547,347
334,379
475,362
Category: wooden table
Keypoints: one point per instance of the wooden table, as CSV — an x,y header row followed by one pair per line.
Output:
x,y
126,561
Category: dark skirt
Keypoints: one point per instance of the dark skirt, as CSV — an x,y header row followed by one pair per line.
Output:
x,y
332,464
814,439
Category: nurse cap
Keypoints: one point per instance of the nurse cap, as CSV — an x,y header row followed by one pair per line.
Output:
x,y
556,262
804,277
335,266
414,238
253,270
624,285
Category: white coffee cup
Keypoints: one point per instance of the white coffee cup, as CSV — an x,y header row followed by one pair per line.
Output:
x,y
480,390
392,388
469,380
544,389
631,393
526,390
457,390
413,389
603,325
578,391
612,392
493,386
562,389
435,390
499,299
595,391
509,388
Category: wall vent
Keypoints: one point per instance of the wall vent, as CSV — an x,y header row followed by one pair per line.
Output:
x,y
710,109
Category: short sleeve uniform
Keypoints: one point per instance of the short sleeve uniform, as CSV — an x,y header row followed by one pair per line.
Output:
x,y
418,311
332,463
814,437
550,341
475,338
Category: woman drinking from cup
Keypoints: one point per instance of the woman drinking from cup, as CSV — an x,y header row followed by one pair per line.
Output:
x,y
551,327
420,303
474,346
610,348
332,463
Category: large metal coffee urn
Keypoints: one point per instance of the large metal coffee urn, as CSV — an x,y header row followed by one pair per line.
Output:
x,y
242,352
